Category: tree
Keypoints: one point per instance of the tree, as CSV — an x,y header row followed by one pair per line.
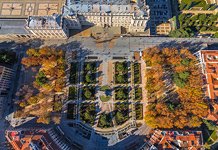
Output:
x,y
32,100
120,67
120,79
41,79
23,104
89,67
87,93
121,94
57,106
32,52
88,78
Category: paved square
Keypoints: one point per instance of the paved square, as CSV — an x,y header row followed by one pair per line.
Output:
x,y
24,8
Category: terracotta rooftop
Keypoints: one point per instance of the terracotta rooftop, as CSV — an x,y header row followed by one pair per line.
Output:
x,y
165,140
209,63
30,139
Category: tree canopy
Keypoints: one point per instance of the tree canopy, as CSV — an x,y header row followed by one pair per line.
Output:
x,y
174,89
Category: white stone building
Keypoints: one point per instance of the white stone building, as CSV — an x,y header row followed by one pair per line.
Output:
x,y
132,15
47,27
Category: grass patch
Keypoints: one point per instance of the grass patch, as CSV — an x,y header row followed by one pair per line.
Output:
x,y
105,98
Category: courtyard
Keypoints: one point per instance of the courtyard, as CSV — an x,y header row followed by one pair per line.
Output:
x,y
105,93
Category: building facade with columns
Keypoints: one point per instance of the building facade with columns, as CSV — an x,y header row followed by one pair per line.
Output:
x,y
132,15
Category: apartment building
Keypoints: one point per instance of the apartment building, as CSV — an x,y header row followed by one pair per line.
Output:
x,y
6,75
177,140
209,64
47,26
37,139
131,15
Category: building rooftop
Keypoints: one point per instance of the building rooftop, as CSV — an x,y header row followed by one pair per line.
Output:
x,y
106,6
209,59
209,63
110,2
13,26
33,139
177,139
45,22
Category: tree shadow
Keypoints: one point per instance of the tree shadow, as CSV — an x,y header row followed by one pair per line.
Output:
x,y
192,46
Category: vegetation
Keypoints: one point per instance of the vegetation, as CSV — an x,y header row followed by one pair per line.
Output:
x,y
87,113
173,105
88,93
194,24
121,93
137,73
73,73
7,57
187,4
90,72
72,93
105,121
138,93
121,73
105,98
104,88
48,81
71,111
139,111
121,113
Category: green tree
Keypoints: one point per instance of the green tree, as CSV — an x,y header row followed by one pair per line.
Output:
x,y
87,94
88,78
120,79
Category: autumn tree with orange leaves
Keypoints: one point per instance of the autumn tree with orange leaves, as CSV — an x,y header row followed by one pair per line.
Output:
x,y
174,89
49,80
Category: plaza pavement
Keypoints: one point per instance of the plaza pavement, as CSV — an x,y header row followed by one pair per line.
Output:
x,y
25,8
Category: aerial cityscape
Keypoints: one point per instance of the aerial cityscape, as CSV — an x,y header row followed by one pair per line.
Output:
x,y
108,74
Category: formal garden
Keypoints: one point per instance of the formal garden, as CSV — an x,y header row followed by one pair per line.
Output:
x,y
73,73
88,113
72,95
88,93
71,111
89,72
121,73
121,93
137,73
105,121
138,93
121,113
